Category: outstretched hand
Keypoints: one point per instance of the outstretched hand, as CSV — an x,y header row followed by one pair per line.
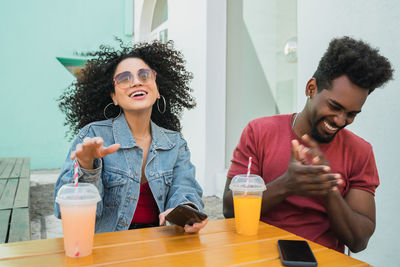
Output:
x,y
90,149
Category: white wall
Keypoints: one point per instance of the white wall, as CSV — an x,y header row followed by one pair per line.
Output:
x,y
376,22
143,16
187,27
251,64
215,175
198,30
259,79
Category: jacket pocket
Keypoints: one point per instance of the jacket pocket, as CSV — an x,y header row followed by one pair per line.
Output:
x,y
114,188
167,177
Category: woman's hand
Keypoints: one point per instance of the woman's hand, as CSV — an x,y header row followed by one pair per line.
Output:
x,y
188,228
195,227
90,149
163,215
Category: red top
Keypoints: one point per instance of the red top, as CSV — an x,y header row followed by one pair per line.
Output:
x,y
146,210
268,141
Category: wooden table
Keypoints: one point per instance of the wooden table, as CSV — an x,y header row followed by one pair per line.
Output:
x,y
14,199
216,245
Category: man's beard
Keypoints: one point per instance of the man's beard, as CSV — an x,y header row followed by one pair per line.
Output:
x,y
318,137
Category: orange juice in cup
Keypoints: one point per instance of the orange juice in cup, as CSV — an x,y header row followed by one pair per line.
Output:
x,y
247,213
247,195
78,213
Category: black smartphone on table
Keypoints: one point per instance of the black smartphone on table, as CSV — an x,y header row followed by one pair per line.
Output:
x,y
184,214
296,253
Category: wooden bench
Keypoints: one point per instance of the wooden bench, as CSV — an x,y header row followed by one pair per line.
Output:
x,y
14,199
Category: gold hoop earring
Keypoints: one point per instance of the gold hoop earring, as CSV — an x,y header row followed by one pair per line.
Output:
x,y
104,111
158,104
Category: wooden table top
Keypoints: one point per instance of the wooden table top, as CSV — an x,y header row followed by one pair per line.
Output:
x,y
215,245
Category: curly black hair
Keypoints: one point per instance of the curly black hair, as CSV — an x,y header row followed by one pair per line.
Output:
x,y
85,99
361,63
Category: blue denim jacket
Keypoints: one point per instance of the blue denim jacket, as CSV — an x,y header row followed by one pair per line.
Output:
x,y
170,173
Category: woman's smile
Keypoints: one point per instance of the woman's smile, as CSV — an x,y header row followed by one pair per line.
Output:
x,y
138,94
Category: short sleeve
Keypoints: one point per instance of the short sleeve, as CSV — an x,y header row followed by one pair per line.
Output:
x,y
366,176
246,148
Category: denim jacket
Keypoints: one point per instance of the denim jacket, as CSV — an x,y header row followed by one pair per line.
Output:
x,y
168,170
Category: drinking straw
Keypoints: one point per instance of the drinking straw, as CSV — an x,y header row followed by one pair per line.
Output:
x,y
248,168
76,173
76,197
248,175
77,250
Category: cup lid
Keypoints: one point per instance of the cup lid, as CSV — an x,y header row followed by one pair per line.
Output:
x,y
84,193
253,183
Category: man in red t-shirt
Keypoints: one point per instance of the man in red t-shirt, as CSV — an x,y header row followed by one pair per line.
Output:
x,y
320,178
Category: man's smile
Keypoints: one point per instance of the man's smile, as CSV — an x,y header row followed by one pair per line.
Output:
x,y
329,128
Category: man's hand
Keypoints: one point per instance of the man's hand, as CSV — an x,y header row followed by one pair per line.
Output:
x,y
90,149
307,174
309,180
312,152
188,228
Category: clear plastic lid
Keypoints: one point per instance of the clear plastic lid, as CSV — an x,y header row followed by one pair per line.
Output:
x,y
82,194
253,183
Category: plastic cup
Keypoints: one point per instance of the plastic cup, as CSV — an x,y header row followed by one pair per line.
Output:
x,y
78,213
247,196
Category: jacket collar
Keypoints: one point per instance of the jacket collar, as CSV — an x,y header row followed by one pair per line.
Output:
x,y
123,136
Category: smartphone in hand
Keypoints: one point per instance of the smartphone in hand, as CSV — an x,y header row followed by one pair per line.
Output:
x,y
184,214
296,253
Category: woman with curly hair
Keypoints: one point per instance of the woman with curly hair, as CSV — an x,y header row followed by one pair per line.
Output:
x,y
125,108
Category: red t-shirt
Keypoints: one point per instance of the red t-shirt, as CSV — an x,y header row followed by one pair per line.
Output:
x,y
146,210
268,141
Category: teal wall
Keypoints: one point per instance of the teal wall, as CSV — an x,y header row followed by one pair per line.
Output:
x,y
32,35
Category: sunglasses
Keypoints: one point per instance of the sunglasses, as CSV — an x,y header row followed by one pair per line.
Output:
x,y
124,80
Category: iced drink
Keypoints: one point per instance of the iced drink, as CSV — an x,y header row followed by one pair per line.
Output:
x,y
78,229
247,212
247,196
78,213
